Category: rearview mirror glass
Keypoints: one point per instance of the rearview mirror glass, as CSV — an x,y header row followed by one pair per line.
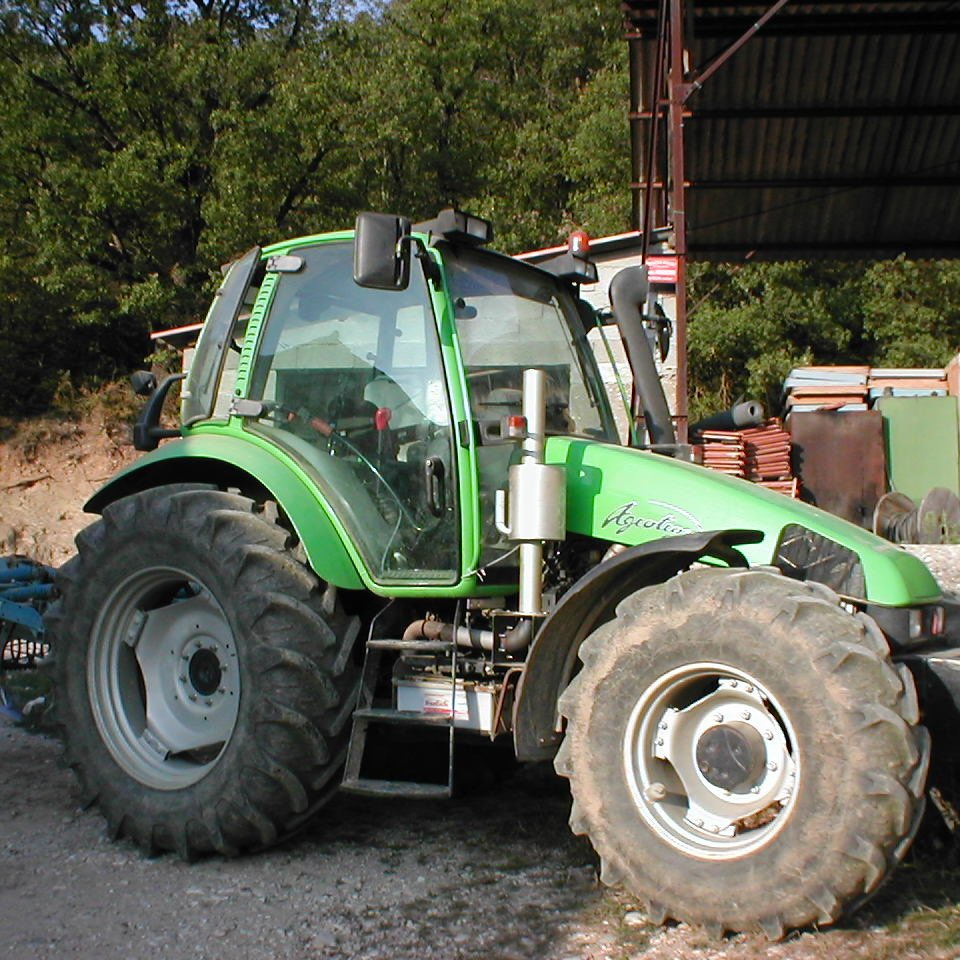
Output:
x,y
380,259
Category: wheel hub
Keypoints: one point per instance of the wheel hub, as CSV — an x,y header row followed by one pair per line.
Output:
x,y
163,678
710,761
731,755
204,672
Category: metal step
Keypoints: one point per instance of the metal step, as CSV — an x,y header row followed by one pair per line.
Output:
x,y
425,646
388,715
396,788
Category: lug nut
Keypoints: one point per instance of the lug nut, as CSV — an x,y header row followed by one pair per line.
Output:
x,y
655,792
768,734
771,765
746,714
754,789
718,718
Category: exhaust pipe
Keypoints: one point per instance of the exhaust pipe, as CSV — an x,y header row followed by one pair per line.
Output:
x,y
535,509
628,295
515,639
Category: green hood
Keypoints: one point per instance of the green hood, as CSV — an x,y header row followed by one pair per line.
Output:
x,y
631,496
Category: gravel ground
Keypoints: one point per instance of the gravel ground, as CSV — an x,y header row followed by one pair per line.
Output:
x,y
495,876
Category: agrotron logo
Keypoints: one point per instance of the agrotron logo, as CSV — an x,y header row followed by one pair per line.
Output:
x,y
674,522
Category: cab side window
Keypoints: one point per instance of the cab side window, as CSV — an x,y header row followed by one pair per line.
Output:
x,y
352,385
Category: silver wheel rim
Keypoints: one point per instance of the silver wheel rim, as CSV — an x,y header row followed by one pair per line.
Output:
x,y
163,678
685,709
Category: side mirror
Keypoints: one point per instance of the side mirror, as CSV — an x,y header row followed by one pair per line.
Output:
x,y
143,383
147,432
381,257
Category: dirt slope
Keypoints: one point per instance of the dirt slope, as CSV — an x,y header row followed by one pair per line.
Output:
x,y
48,468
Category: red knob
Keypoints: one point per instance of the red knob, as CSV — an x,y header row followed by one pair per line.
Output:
x,y
382,417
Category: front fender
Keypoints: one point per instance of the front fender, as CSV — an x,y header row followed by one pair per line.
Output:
x,y
590,602
244,463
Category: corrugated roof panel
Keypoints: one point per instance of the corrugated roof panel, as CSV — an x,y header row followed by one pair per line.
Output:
x,y
824,132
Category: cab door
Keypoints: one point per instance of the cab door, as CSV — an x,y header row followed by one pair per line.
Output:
x,y
352,386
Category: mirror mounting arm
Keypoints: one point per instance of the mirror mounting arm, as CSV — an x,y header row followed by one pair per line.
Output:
x,y
419,248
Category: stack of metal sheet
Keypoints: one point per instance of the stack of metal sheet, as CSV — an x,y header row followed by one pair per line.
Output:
x,y
855,388
826,388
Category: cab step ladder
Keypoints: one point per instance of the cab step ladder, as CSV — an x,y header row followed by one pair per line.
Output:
x,y
367,715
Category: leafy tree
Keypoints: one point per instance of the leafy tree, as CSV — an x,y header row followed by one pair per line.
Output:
x,y
911,311
119,126
750,323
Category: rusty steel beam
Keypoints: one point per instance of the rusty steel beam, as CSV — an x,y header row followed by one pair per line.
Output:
x,y
888,181
808,24
721,58
915,248
678,213
656,95
819,113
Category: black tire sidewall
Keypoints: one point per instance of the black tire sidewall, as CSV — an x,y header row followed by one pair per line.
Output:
x,y
805,861
135,553
278,765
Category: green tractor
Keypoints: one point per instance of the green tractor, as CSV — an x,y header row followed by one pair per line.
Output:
x,y
397,503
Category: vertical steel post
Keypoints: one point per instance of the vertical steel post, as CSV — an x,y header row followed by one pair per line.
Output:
x,y
637,109
678,215
655,99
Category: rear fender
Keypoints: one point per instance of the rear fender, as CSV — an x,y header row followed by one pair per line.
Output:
x,y
588,604
217,459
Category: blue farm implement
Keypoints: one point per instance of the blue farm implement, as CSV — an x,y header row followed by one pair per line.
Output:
x,y
25,589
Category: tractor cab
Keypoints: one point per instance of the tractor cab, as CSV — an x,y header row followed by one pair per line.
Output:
x,y
400,400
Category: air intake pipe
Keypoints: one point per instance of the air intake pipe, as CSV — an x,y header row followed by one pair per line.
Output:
x,y
628,296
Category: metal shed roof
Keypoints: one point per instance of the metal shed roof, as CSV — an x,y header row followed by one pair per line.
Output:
x,y
833,132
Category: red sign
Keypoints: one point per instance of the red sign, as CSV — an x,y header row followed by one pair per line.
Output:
x,y
662,269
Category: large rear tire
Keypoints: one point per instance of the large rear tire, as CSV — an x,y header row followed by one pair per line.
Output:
x,y
204,677
742,753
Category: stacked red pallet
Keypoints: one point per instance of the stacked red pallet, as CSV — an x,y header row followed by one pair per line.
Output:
x,y
759,454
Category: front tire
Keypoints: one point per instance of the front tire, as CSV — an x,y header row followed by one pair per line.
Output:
x,y
742,753
204,678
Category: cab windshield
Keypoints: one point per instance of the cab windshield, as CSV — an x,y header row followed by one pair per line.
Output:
x,y
511,317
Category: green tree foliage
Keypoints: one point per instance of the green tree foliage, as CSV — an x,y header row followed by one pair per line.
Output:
x,y
911,311
115,155
144,143
750,323
473,103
